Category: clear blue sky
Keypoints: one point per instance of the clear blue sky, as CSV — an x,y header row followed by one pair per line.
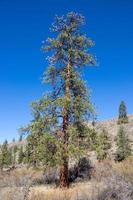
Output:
x,y
23,26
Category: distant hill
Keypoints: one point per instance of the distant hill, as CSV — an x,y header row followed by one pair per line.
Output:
x,y
17,143
112,127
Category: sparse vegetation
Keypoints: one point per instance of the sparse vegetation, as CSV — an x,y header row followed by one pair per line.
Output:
x,y
108,180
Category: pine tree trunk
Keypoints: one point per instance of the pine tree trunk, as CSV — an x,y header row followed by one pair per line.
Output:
x,y
64,168
64,182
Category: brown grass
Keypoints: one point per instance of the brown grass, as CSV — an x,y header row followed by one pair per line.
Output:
x,y
79,191
109,181
125,169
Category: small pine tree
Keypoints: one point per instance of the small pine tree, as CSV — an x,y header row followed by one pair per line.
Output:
x,y
13,151
20,155
1,159
5,155
92,138
123,145
102,145
94,119
122,119
30,156
20,138
13,140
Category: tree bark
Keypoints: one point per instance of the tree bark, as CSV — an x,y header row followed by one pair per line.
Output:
x,y
64,182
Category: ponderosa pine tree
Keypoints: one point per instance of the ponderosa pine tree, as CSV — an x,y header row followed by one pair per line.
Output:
x,y
13,140
122,113
35,132
1,165
5,155
60,114
101,145
13,151
29,152
20,155
20,138
123,145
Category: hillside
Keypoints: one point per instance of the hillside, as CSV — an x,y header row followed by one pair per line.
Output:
x,y
112,127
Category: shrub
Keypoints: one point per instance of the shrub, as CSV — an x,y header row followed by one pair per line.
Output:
x,y
81,171
51,176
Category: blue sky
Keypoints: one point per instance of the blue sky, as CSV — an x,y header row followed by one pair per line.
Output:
x,y
24,24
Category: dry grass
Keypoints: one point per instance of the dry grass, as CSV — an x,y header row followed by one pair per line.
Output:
x,y
19,177
79,191
16,184
110,181
125,169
